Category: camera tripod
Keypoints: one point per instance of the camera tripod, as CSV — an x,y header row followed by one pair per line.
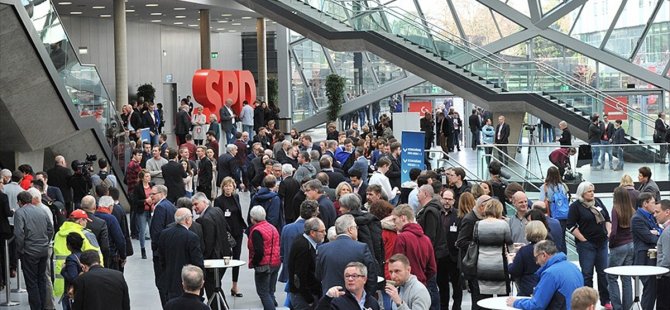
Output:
x,y
529,155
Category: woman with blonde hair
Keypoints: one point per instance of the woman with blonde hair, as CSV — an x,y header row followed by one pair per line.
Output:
x,y
341,189
465,204
523,267
627,183
229,202
494,237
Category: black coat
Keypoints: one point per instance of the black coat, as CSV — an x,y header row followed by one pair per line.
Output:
x,y
288,188
370,233
186,301
101,289
177,247
99,228
59,177
394,171
226,167
362,192
236,224
182,123
474,123
135,121
205,176
430,219
174,174
566,137
301,270
334,178
504,134
215,232
5,230
137,197
120,215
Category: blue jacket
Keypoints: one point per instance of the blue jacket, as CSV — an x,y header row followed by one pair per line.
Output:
x,y
118,240
162,217
523,270
272,205
333,257
641,225
288,234
558,279
556,233
361,164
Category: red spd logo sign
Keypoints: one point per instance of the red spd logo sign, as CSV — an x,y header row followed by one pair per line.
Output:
x,y
211,88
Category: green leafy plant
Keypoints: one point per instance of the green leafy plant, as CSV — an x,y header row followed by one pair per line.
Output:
x,y
147,91
273,90
335,93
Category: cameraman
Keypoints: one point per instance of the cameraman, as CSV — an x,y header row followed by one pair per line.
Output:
x,y
104,177
80,182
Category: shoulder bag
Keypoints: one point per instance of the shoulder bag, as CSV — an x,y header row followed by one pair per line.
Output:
x,y
469,263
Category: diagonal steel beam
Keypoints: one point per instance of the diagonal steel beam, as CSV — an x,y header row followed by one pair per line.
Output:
x,y
646,29
457,19
509,13
558,12
576,19
534,9
666,70
498,45
613,24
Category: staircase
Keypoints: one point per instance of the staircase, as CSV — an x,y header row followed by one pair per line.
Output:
x,y
447,61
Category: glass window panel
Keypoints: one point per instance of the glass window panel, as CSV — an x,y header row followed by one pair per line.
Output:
x,y
595,19
438,13
565,23
507,27
315,68
547,5
629,27
519,5
477,22
385,70
655,50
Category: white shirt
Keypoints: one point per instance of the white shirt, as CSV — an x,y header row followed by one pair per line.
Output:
x,y
383,181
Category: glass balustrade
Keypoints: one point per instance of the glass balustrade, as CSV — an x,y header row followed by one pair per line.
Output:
x,y
82,82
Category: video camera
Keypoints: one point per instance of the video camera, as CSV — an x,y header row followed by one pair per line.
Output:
x,y
529,127
87,166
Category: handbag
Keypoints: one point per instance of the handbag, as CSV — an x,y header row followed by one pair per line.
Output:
x,y
469,262
231,240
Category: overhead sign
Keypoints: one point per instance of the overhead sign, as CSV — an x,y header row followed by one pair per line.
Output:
x,y
215,55
411,153
211,89
420,106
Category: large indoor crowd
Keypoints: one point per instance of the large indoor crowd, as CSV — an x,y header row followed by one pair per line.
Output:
x,y
330,220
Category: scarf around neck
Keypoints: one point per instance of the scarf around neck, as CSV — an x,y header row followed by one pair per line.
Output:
x,y
591,205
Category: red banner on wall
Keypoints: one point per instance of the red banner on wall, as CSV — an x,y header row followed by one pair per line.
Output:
x,y
616,109
420,106
211,89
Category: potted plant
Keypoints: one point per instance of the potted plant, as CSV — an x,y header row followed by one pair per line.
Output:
x,y
273,90
335,94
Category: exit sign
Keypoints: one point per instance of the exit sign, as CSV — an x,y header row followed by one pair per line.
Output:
x,y
215,55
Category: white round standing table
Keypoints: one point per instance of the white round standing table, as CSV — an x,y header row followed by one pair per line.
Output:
x,y
217,264
497,303
636,271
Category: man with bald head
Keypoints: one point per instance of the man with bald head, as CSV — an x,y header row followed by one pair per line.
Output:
x,y
517,222
97,226
58,177
177,247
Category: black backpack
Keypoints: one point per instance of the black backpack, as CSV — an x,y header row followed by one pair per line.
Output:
x,y
57,211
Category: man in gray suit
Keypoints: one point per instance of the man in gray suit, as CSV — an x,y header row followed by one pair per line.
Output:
x,y
228,120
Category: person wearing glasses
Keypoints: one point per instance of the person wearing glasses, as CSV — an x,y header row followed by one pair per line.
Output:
x,y
305,287
559,278
353,295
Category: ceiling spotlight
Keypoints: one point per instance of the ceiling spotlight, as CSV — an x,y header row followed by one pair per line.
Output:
x,y
155,20
226,14
130,11
180,9
98,7
192,25
180,16
105,15
64,3
231,30
178,23
246,17
75,13
156,14
223,21
151,4
220,29
236,24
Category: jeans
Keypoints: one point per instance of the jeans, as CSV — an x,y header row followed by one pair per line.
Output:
x,y
431,285
249,129
620,256
375,116
298,302
595,151
34,270
361,118
619,155
143,220
265,286
605,150
475,138
590,256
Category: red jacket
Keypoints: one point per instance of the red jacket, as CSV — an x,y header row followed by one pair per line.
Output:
x,y
417,247
389,235
270,245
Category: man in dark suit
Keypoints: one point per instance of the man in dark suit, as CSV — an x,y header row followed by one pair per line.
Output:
x,y
215,235
97,225
502,137
99,288
164,215
174,174
566,136
288,188
333,257
306,145
660,133
359,186
182,124
59,176
645,236
226,165
227,120
304,286
205,173
192,280
475,127
177,246
331,147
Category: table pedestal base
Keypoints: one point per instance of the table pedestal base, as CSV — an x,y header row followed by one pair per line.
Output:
x,y
218,295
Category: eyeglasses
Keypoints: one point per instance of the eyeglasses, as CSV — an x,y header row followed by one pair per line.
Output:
x,y
320,231
537,255
151,194
353,276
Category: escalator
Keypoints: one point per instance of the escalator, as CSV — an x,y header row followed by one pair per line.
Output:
x,y
448,61
50,103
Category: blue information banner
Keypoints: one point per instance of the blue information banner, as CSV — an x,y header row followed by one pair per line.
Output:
x,y
412,153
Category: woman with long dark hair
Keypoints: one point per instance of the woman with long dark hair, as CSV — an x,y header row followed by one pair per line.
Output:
x,y
552,188
621,248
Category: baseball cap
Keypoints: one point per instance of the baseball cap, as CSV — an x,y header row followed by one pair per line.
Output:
x,y
79,214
